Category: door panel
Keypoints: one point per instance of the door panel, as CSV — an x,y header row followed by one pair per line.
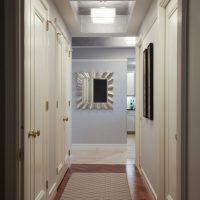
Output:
x,y
38,98
51,152
59,135
65,110
171,101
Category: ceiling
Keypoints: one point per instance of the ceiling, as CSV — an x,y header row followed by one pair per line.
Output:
x,y
129,16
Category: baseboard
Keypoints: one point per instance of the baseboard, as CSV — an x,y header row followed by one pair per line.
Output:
x,y
52,192
169,197
98,147
148,184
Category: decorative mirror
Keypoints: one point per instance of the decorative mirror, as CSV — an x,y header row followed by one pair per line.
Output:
x,y
94,90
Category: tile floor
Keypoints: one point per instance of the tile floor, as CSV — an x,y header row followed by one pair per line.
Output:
x,y
125,156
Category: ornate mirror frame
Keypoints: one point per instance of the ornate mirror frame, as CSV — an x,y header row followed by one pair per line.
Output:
x,y
81,103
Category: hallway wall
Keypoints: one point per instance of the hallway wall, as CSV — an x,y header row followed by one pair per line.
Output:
x,y
149,128
103,53
101,126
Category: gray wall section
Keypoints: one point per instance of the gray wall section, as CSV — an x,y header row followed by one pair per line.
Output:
x,y
103,53
194,101
101,126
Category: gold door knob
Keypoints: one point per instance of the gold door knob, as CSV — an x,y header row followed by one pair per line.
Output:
x,y
65,119
32,133
37,132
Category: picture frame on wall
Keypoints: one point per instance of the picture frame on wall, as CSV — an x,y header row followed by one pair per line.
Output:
x,y
150,90
148,99
145,83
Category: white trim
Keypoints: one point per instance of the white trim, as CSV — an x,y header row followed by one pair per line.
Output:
x,y
27,33
138,110
161,110
99,60
52,190
59,168
98,147
148,183
169,197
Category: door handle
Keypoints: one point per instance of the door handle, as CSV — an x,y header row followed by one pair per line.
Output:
x,y
33,133
37,132
65,119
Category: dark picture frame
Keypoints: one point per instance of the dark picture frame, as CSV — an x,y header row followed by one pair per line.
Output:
x,y
148,100
150,82
145,83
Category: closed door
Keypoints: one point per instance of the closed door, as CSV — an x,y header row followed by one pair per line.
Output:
x,y
51,148
62,105
65,103
37,134
171,102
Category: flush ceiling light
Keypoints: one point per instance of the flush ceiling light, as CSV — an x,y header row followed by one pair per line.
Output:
x,y
103,15
130,40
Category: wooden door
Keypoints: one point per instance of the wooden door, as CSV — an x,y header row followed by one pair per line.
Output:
x,y
37,134
171,102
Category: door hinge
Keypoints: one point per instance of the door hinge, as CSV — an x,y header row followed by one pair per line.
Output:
x,y
47,184
69,53
56,104
47,25
19,155
69,103
69,152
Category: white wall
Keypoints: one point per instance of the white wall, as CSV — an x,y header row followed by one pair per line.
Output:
x,y
149,129
103,53
101,126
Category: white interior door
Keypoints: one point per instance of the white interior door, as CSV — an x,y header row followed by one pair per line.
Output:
x,y
171,102
59,135
38,98
51,148
62,105
65,103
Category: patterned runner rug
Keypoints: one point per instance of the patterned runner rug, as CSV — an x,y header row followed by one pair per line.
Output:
x,y
97,186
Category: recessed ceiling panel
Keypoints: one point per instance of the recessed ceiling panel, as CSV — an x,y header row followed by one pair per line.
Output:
x,y
76,15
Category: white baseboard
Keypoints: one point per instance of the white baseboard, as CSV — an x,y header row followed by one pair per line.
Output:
x,y
169,197
98,147
52,191
148,184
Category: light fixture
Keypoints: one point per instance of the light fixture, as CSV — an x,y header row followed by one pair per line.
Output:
x,y
130,40
103,15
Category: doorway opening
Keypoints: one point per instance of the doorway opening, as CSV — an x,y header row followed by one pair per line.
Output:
x,y
131,106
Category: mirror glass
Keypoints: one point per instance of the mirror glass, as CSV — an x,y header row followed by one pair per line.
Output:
x,y
94,90
100,90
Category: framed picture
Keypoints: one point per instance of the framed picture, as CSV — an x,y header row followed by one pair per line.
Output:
x,y
150,82
145,83
148,105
